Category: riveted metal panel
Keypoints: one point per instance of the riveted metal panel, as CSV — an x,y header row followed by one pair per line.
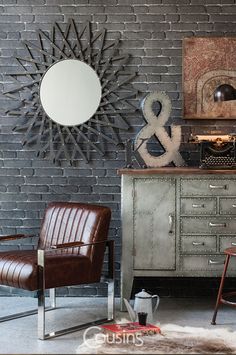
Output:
x,y
208,187
228,206
154,223
200,244
198,206
208,225
226,241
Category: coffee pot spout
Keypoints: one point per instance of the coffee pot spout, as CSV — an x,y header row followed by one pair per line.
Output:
x,y
132,313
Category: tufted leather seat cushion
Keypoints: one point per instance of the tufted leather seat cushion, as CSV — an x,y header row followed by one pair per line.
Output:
x,y
18,268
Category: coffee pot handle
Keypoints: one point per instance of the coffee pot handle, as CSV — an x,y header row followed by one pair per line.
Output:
x,y
157,302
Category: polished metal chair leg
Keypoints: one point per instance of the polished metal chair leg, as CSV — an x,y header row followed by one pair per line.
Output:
x,y
110,300
52,295
41,294
41,315
41,298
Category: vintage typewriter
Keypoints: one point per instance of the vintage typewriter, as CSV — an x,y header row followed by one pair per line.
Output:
x,y
216,151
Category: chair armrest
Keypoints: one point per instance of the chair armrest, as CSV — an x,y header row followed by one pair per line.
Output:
x,y
15,236
109,243
75,244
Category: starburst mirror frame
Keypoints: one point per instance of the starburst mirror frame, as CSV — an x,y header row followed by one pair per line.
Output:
x,y
59,139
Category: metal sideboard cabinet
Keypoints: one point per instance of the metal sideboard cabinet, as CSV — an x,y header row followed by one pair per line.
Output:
x,y
176,222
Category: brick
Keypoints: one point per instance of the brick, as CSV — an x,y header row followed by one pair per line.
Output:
x,y
201,2
223,27
109,180
38,180
191,9
214,9
82,181
150,18
177,2
140,9
85,189
91,10
48,9
6,171
178,34
103,2
159,9
30,2
132,26
119,9
194,18
205,26
228,9
11,180
9,18
156,60
31,206
120,18
47,18
10,222
64,189
12,197
222,18
106,189
17,9
48,171
13,188
137,35
155,26
34,188
184,26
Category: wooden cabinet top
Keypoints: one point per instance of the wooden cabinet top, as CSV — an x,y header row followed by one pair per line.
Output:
x,y
176,171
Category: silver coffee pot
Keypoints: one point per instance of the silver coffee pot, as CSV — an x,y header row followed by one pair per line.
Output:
x,y
144,302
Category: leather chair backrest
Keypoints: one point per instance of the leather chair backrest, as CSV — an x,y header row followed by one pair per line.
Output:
x,y
66,222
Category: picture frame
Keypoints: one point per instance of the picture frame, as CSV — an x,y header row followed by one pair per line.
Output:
x,y
209,78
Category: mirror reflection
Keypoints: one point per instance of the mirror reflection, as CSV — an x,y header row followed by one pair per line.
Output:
x,y
70,92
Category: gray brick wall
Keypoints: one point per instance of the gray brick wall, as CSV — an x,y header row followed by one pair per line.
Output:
x,y
152,32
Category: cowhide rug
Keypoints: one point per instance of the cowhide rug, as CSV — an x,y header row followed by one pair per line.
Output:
x,y
173,340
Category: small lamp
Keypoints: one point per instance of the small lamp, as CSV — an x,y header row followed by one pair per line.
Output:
x,y
224,92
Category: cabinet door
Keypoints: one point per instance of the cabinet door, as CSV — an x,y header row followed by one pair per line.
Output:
x,y
154,224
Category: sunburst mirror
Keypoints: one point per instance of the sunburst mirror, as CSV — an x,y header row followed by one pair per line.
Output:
x,y
72,92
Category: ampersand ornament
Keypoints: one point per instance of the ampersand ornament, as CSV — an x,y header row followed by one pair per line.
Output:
x,y
155,127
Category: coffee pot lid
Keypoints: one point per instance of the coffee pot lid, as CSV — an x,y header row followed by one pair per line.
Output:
x,y
143,294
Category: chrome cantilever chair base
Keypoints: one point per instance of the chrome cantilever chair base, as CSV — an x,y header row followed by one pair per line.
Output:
x,y
52,292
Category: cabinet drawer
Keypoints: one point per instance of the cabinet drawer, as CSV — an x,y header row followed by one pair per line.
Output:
x,y
207,225
208,187
198,205
199,244
227,242
205,263
228,205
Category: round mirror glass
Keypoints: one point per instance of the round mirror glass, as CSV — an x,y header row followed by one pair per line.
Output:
x,y
70,92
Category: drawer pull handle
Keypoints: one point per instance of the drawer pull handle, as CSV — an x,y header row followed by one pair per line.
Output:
x,y
171,223
198,243
233,244
218,187
199,205
217,224
234,206
216,262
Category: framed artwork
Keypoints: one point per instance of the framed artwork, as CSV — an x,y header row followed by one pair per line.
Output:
x,y
209,78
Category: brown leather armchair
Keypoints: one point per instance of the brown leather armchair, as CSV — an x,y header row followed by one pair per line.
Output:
x,y
71,248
